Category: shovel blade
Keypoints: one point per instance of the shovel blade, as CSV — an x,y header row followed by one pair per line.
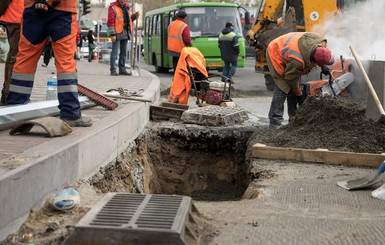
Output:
x,y
135,71
366,181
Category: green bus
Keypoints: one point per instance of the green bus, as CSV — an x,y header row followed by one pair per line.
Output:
x,y
205,20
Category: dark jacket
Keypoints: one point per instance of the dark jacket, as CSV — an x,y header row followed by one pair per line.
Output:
x,y
228,44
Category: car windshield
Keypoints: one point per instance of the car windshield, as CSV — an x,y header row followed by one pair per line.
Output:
x,y
210,21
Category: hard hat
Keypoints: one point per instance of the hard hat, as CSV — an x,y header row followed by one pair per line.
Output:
x,y
323,56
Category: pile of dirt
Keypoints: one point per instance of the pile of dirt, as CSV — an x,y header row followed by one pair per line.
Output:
x,y
329,123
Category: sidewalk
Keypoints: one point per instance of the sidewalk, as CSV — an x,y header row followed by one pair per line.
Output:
x,y
29,162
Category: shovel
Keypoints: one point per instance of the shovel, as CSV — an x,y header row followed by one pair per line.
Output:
x,y
135,68
366,181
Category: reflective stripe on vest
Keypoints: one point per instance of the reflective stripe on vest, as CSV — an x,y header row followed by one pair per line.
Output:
x,y
285,47
287,52
175,40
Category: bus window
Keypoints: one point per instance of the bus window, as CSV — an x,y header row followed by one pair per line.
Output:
x,y
210,21
147,26
154,25
158,27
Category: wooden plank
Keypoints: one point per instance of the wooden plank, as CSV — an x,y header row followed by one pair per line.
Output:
x,y
318,155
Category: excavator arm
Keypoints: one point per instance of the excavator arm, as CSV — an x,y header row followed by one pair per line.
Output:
x,y
267,13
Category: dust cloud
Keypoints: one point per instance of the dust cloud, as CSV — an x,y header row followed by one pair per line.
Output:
x,y
362,27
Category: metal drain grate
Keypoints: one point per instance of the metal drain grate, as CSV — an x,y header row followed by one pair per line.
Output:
x,y
122,218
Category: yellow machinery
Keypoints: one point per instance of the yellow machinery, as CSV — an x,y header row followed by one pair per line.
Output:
x,y
300,15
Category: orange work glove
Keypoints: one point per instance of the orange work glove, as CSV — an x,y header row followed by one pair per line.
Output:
x,y
297,91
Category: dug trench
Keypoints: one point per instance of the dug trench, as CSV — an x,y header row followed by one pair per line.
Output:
x,y
205,163
210,164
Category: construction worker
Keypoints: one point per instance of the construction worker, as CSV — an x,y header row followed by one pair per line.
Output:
x,y
178,37
43,19
229,47
120,26
11,19
289,57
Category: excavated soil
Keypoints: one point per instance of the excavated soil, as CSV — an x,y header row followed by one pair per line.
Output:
x,y
329,123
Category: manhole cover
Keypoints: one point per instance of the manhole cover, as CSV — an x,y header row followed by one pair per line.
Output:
x,y
125,218
214,116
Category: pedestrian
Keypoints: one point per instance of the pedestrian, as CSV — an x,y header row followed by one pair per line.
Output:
x,y
178,37
91,45
11,16
229,47
47,53
120,27
55,19
80,46
289,57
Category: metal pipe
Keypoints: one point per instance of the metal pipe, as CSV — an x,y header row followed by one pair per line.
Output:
x,y
14,114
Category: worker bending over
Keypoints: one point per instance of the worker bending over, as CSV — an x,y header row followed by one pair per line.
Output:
x,y
289,57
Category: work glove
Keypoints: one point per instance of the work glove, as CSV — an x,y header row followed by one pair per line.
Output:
x,y
300,99
297,91
325,70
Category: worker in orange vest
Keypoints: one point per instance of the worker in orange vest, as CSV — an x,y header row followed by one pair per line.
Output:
x,y
120,26
182,84
178,37
42,19
11,19
289,57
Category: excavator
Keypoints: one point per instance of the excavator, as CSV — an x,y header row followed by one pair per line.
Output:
x,y
299,15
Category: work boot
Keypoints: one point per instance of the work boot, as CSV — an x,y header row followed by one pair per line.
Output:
x,y
124,73
114,73
80,122
274,126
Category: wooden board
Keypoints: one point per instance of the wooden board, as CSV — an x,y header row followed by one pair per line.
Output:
x,y
318,155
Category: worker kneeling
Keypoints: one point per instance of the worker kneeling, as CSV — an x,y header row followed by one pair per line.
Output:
x,y
289,57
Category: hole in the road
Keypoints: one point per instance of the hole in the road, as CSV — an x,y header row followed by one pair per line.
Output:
x,y
206,164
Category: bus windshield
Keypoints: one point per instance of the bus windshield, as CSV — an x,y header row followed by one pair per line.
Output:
x,y
210,21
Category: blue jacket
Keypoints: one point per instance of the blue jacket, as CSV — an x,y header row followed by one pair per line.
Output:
x,y
228,44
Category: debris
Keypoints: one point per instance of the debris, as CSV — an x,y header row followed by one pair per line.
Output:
x,y
66,199
52,125
379,193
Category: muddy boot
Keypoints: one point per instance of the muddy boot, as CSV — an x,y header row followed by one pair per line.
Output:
x,y
80,122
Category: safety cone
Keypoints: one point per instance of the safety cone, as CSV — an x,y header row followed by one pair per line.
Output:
x,y
95,55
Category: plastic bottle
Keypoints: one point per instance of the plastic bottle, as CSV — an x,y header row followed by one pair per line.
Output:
x,y
51,93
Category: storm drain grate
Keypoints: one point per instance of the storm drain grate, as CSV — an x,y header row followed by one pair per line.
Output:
x,y
125,218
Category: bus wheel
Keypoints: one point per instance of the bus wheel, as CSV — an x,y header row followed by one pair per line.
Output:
x,y
269,82
158,69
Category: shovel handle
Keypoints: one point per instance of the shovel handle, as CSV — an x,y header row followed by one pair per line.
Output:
x,y
370,86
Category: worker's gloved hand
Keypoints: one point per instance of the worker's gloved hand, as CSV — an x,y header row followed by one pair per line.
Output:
x,y
300,99
297,91
325,70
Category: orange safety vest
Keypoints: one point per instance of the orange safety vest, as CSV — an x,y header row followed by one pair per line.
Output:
x,y
284,47
182,83
175,42
14,12
119,19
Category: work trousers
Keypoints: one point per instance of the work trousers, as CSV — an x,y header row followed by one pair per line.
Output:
x,y
13,33
61,26
277,106
229,69
122,46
